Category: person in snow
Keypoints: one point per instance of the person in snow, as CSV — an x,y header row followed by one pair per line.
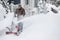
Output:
x,y
18,29
20,11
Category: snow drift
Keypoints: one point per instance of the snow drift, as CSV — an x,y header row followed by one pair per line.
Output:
x,y
39,27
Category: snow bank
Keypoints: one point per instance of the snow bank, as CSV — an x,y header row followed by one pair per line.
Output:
x,y
39,27
7,21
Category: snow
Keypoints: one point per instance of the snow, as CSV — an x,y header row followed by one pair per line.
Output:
x,y
38,27
2,12
7,21
49,6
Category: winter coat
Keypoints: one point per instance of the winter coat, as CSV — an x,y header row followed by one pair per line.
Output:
x,y
20,11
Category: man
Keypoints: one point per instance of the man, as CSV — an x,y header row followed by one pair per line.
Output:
x,y
16,30
20,12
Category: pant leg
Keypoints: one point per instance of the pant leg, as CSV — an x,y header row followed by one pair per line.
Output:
x,y
20,27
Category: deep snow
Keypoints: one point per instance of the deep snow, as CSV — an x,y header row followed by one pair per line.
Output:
x,y
38,27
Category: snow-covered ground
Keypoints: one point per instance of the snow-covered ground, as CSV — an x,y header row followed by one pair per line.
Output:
x,y
38,27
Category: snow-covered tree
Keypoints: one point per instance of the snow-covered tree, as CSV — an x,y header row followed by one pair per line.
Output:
x,y
42,6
